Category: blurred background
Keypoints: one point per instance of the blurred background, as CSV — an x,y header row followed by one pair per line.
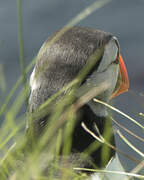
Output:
x,y
123,18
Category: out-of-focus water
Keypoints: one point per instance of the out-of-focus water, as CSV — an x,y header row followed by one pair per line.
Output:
x,y
124,18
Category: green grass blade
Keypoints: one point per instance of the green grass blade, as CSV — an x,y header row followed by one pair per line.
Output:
x,y
21,48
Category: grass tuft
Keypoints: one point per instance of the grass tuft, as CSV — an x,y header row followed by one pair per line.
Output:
x,y
18,160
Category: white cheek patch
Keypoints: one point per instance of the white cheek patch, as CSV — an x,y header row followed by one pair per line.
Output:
x,y
110,77
33,82
110,54
106,72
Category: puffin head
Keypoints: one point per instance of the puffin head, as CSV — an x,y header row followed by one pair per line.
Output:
x,y
111,70
59,63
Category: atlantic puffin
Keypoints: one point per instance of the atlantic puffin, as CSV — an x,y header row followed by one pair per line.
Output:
x,y
59,63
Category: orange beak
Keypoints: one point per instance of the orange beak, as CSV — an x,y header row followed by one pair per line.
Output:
x,y
123,84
